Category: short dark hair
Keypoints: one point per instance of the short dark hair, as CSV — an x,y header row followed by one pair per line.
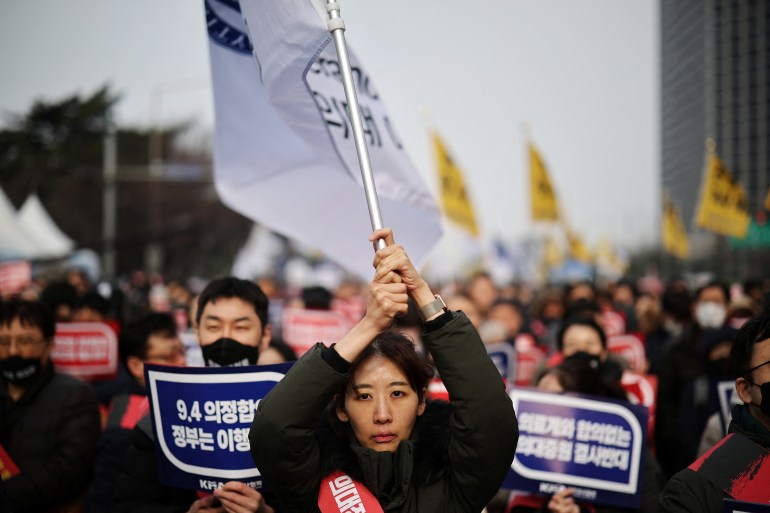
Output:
x,y
317,298
58,293
29,313
755,330
582,308
135,335
677,303
580,321
399,349
94,301
711,285
229,287
512,303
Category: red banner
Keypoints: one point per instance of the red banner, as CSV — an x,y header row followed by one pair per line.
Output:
x,y
15,276
340,493
87,350
303,328
8,468
630,348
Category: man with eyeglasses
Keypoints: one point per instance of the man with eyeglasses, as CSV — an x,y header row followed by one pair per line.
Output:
x,y
49,422
738,467
152,338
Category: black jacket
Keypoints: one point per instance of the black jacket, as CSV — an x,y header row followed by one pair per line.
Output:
x,y
50,433
455,460
138,488
111,449
689,491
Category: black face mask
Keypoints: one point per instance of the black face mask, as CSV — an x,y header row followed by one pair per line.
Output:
x,y
592,359
765,404
20,371
227,352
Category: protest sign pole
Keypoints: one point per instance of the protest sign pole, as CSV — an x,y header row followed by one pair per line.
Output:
x,y
337,28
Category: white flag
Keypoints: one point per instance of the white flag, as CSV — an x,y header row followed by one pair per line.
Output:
x,y
284,153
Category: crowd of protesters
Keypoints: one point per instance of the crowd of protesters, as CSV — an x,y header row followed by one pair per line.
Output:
x,y
686,332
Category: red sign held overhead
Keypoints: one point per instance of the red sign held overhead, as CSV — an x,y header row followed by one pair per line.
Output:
x,y
630,348
87,350
303,328
15,276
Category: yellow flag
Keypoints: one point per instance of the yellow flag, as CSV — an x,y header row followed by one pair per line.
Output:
x,y
542,195
675,240
552,253
767,200
454,198
723,207
577,249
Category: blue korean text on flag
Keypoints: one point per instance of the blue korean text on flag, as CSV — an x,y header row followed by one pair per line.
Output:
x,y
284,151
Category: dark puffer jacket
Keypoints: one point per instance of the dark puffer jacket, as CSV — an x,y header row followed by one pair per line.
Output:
x,y
689,491
455,460
50,433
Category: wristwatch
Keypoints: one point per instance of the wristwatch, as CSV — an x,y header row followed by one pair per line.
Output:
x,y
432,308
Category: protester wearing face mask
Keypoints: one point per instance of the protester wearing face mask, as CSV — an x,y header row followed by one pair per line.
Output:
x,y
232,330
700,396
49,422
740,461
582,338
681,363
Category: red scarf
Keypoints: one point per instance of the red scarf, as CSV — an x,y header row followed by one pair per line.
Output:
x,y
340,493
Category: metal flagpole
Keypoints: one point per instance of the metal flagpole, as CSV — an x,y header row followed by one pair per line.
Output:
x,y
337,28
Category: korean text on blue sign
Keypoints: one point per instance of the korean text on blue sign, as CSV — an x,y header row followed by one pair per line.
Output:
x,y
593,445
201,419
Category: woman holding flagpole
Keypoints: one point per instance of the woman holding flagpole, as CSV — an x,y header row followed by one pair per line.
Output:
x,y
380,446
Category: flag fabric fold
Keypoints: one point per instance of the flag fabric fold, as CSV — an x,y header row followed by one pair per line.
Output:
x,y
545,206
723,207
454,195
674,232
284,153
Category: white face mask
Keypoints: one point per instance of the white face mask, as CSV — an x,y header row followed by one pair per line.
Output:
x,y
710,314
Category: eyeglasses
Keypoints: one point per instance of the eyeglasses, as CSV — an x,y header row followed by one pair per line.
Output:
x,y
756,367
173,356
21,342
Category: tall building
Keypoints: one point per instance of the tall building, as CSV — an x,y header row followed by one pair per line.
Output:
x,y
715,83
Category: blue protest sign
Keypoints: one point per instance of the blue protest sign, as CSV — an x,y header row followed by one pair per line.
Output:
x,y
591,444
503,355
728,397
201,419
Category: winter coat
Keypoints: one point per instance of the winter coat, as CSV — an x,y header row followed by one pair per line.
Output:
x,y
50,433
689,491
455,460
138,488
125,412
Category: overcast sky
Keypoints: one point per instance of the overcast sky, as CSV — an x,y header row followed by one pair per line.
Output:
x,y
582,75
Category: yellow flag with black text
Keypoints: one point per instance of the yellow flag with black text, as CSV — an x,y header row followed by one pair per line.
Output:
x,y
542,195
723,207
454,196
577,248
673,230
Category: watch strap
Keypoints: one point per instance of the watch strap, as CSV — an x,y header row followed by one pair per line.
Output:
x,y
432,308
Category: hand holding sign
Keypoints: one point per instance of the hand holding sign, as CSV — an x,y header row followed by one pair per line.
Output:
x,y
238,497
562,502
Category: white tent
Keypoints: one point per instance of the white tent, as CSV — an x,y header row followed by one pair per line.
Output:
x,y
14,242
38,226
